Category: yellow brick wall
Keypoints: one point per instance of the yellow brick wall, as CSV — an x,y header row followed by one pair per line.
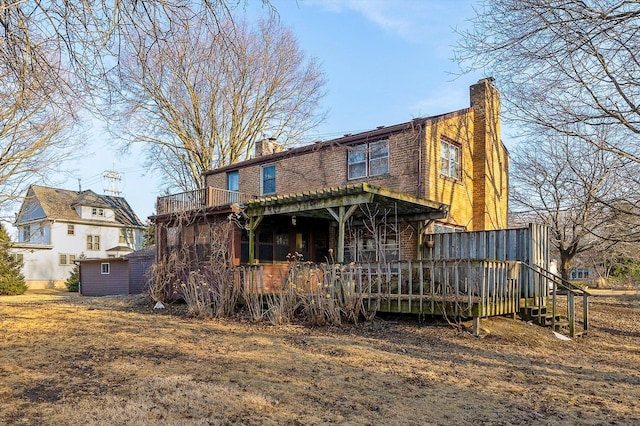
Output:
x,y
457,194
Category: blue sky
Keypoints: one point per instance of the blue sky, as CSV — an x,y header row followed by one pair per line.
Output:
x,y
386,62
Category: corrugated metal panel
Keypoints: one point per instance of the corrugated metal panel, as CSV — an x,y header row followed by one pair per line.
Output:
x,y
94,283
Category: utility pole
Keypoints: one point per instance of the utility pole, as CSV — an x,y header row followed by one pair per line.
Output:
x,y
112,176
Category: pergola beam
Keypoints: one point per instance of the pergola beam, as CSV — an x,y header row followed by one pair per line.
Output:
x,y
341,217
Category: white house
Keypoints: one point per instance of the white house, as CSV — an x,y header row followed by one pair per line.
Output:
x,y
57,226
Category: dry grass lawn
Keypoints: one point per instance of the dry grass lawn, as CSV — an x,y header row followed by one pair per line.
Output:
x,y
72,360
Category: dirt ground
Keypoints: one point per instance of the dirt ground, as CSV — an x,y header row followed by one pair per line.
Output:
x,y
71,360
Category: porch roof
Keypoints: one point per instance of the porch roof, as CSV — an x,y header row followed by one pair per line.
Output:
x,y
316,203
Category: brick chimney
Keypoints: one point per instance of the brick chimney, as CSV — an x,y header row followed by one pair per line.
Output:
x,y
267,146
490,158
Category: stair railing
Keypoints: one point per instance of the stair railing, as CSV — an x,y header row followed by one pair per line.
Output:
x,y
561,285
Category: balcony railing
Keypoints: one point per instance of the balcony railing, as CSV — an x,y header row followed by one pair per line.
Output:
x,y
199,199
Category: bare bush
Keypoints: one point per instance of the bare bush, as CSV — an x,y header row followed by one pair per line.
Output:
x,y
198,269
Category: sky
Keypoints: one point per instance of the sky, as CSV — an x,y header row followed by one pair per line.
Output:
x,y
385,62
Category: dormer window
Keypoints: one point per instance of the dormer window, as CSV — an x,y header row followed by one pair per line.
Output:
x,y
97,212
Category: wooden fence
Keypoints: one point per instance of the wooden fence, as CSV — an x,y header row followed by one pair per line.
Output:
x,y
529,245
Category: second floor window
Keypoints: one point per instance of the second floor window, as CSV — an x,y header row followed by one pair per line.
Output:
x,y
26,233
368,160
233,181
268,183
126,236
233,185
71,230
449,159
93,242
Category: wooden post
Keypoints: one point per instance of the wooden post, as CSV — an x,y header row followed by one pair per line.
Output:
x,y
571,311
254,221
341,217
476,326
585,311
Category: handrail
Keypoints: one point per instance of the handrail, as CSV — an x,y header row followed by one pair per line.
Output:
x,y
198,199
572,291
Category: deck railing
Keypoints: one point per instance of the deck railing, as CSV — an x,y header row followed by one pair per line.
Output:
x,y
467,288
198,199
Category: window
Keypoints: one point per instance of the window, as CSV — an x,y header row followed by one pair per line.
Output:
x,y
26,233
71,230
268,183
72,258
579,274
104,268
233,181
368,160
97,212
440,228
63,259
93,242
449,159
18,258
357,159
366,247
233,185
126,236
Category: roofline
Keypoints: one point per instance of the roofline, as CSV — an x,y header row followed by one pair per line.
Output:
x,y
346,140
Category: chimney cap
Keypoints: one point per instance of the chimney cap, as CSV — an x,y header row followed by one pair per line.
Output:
x,y
487,79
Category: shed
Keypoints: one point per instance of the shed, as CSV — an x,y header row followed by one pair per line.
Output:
x,y
102,277
116,275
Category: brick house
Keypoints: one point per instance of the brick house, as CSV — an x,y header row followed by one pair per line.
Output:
x,y
370,196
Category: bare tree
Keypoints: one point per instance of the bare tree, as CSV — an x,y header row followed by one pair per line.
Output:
x,y
57,56
37,109
575,189
566,65
201,96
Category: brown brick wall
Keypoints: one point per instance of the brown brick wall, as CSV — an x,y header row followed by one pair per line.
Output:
x,y
328,168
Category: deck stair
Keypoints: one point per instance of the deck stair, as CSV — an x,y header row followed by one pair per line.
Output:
x,y
546,311
539,315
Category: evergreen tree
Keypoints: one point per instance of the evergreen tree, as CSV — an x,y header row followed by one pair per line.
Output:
x,y
73,282
11,278
149,234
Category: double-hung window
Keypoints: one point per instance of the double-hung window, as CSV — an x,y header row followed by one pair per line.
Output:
x,y
93,242
268,181
370,159
449,159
